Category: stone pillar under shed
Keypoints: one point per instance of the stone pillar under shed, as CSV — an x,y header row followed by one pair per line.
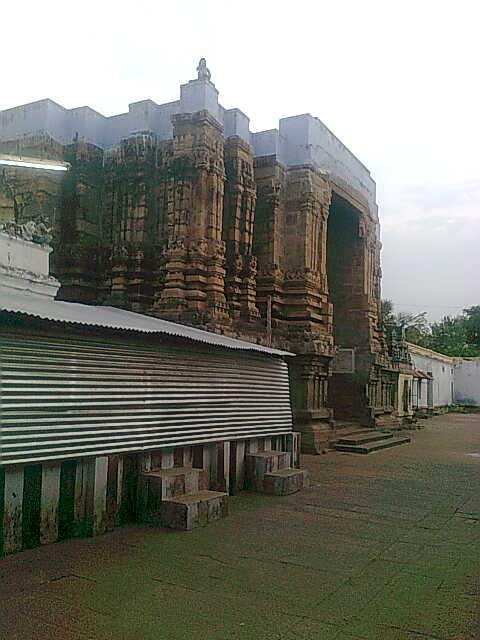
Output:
x,y
223,467
84,495
237,465
293,444
49,503
12,516
100,495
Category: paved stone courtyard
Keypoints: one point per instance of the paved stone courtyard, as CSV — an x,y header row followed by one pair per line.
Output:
x,y
382,546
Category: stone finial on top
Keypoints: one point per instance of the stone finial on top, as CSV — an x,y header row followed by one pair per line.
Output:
x,y
203,72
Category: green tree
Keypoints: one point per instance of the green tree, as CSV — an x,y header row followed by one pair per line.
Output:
x,y
413,325
451,337
472,325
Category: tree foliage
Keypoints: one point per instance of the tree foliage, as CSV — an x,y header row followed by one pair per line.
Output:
x,y
458,336
413,325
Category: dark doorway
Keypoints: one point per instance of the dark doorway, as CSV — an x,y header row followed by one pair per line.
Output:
x,y
346,284
345,271
406,396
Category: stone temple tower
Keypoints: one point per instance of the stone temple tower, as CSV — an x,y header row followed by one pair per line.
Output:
x,y
180,211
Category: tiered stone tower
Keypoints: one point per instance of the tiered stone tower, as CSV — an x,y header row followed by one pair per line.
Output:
x,y
179,211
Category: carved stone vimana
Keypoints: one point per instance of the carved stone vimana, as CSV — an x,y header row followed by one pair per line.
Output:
x,y
179,211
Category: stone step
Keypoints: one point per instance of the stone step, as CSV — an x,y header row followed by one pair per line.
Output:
x,y
368,447
163,484
363,437
285,481
261,462
387,421
191,510
340,425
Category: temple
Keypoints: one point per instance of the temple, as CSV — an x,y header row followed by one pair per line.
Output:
x,y
179,211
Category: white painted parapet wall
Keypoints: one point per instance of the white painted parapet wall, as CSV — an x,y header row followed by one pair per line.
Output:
x,y
467,382
24,267
299,140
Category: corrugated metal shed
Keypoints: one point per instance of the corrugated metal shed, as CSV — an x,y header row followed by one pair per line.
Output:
x,y
72,396
68,395
113,318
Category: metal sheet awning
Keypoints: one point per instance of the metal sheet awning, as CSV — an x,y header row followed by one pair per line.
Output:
x,y
417,373
113,318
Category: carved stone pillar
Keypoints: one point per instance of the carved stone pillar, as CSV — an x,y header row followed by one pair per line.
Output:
x,y
191,207
307,202
308,388
238,225
129,170
79,261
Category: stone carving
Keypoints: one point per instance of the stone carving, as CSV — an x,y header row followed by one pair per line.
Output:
x,y
251,265
203,71
31,231
205,234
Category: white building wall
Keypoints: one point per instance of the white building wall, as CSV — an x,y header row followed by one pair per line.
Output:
x,y
467,382
443,372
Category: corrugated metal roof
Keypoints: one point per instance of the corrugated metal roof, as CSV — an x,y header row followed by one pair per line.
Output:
x,y
417,373
114,318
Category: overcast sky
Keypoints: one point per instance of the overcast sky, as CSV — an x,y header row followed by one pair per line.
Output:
x,y
397,82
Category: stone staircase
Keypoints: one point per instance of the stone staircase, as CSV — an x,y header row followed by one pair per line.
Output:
x,y
178,498
364,441
387,421
270,472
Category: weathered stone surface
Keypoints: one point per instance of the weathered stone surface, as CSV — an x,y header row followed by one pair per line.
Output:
x,y
285,481
190,226
191,510
262,462
166,484
49,503
12,508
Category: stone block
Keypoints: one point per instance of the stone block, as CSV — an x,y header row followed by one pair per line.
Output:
x,y
262,462
155,487
285,482
189,511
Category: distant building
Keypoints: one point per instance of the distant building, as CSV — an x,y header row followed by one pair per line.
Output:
x,y
442,381
467,382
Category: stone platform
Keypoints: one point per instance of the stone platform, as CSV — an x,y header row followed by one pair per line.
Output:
x,y
270,472
374,551
178,498
369,441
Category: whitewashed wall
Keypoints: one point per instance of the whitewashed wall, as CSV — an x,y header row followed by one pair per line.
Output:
x,y
442,369
467,382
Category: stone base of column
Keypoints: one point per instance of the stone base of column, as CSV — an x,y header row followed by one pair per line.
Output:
x,y
316,433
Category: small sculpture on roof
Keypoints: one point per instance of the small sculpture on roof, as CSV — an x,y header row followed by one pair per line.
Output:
x,y
38,231
203,72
